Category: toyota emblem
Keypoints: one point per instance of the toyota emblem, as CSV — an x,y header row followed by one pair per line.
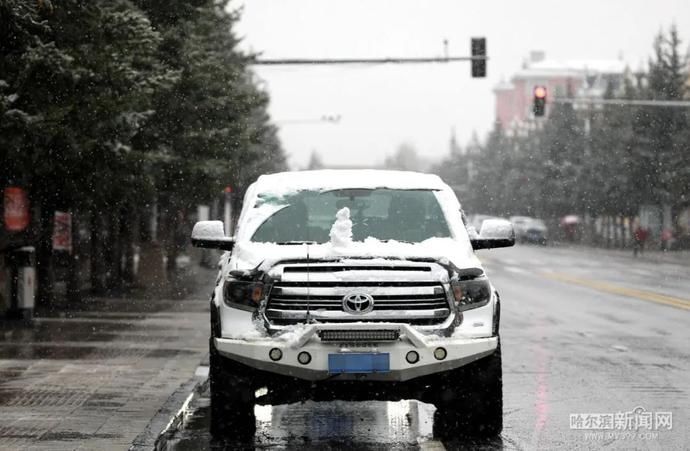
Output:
x,y
358,303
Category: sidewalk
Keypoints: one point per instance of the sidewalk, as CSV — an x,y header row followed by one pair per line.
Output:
x,y
93,375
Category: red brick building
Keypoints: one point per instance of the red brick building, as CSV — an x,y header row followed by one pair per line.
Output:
x,y
575,79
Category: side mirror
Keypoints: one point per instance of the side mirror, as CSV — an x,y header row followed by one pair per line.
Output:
x,y
210,234
494,233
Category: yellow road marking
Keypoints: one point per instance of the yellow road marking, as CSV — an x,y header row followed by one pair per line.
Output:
x,y
617,289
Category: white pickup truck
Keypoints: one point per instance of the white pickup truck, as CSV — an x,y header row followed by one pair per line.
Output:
x,y
354,285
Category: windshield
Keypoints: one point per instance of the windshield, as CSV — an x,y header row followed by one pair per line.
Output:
x,y
385,214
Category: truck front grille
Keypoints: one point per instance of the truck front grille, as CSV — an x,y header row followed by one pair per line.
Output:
x,y
395,297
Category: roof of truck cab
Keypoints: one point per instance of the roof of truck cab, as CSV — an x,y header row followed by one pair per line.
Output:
x,y
286,182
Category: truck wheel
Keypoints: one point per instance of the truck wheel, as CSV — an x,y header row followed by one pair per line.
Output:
x,y
232,401
471,400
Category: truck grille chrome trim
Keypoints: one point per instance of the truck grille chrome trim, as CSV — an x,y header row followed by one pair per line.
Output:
x,y
328,268
415,299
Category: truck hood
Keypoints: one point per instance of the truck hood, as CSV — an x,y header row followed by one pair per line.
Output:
x,y
249,255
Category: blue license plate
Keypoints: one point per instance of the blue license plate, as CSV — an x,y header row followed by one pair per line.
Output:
x,y
359,363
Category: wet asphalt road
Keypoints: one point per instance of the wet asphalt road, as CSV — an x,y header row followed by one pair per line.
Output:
x,y
583,332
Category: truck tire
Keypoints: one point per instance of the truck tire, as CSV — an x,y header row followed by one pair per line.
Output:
x,y
232,401
471,400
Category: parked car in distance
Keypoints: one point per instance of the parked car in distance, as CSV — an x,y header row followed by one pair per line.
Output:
x,y
529,230
519,225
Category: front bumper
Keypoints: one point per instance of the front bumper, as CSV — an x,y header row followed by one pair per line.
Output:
x,y
254,352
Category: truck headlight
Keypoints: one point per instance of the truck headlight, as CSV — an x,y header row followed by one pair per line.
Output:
x,y
244,295
471,293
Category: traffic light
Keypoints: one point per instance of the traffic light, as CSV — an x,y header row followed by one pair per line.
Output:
x,y
539,105
478,50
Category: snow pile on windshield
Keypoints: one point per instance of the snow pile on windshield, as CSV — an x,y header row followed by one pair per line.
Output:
x,y
273,192
265,197
341,232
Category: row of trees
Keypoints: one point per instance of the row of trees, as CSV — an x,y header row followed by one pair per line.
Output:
x,y
591,160
111,107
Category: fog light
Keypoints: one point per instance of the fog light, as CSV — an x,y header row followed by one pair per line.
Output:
x,y
275,354
412,357
304,357
440,353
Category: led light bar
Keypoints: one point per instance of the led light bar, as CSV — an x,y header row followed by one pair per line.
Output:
x,y
349,336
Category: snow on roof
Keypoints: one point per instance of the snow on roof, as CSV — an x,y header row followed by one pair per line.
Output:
x,y
547,68
287,182
504,86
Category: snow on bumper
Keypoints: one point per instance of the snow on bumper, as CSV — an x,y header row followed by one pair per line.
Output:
x,y
255,352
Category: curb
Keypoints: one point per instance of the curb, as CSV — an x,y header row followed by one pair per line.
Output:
x,y
169,417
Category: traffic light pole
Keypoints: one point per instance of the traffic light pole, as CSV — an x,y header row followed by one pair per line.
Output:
x,y
332,61
478,59
626,102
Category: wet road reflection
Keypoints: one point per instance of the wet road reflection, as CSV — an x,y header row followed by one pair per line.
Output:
x,y
371,425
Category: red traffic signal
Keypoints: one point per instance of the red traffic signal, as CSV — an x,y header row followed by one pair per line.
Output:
x,y
539,103
540,92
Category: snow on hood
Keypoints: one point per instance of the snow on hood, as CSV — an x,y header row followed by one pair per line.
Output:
x,y
248,254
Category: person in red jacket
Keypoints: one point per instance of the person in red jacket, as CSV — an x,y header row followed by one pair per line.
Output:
x,y
640,236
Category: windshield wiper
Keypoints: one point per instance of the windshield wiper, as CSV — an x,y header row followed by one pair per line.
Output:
x,y
289,243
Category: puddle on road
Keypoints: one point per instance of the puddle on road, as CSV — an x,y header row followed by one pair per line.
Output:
x,y
371,425
319,425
